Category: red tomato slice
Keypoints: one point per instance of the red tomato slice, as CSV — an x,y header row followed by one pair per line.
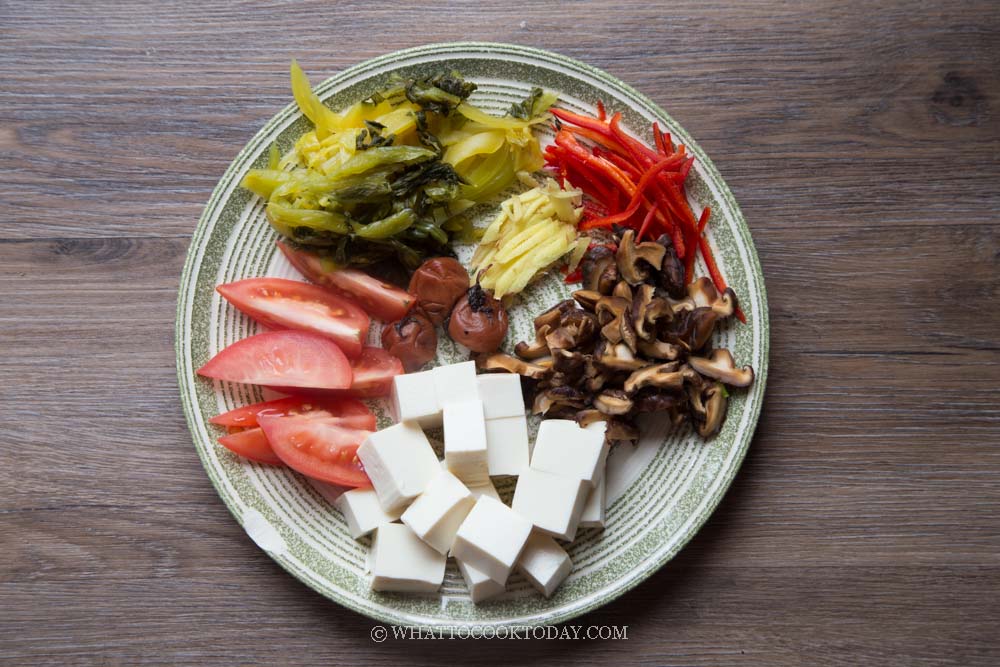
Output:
x,y
317,448
282,358
382,300
290,304
373,373
348,411
251,444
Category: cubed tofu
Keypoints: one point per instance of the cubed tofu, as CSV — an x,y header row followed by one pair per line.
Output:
x,y
437,513
414,399
594,507
507,445
401,561
362,511
501,395
544,563
563,448
465,441
552,503
481,587
456,382
484,489
400,463
491,538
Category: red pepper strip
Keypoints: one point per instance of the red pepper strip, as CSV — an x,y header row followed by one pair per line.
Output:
x,y
623,164
685,168
713,271
575,276
581,179
637,198
566,139
658,138
615,175
585,179
601,113
599,139
703,219
640,151
689,261
645,223
581,121
668,141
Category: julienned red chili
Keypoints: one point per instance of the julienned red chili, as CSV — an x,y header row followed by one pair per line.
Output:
x,y
632,184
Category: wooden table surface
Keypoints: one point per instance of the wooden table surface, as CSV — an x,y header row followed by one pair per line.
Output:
x,y
863,144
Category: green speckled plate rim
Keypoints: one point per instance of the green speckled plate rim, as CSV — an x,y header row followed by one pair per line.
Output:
x,y
543,57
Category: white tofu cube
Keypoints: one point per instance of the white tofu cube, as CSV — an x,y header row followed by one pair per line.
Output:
x,y
544,563
484,489
565,449
363,512
414,399
597,501
400,463
400,561
501,395
594,507
481,587
552,503
491,538
456,382
507,445
437,513
465,441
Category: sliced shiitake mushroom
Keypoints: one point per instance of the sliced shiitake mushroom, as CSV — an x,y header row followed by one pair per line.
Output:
x,y
693,328
553,316
671,276
658,349
537,348
641,300
618,357
720,366
663,376
627,331
704,295
708,408
622,290
609,308
613,402
599,269
499,361
621,430
587,298
634,259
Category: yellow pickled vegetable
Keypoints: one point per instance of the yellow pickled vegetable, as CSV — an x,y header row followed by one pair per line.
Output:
x,y
533,230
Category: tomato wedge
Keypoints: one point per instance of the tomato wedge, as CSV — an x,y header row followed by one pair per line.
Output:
x,y
251,444
350,412
291,304
282,358
382,300
373,372
317,448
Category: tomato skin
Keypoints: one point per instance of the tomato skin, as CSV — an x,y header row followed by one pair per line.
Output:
x,y
350,412
283,358
382,300
291,304
373,372
251,444
317,448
